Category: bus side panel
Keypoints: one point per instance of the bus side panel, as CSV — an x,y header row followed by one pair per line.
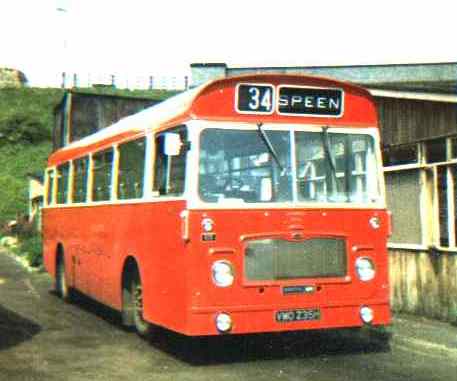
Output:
x,y
163,260
97,240
56,232
82,233
49,244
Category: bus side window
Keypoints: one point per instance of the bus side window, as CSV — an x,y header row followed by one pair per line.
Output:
x,y
102,169
80,179
63,172
131,169
50,185
169,171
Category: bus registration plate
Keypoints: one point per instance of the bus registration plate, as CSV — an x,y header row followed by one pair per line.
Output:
x,y
298,315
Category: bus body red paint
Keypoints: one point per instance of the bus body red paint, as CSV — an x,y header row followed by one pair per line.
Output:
x,y
178,290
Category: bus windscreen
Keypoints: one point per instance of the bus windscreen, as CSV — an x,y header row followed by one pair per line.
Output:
x,y
237,165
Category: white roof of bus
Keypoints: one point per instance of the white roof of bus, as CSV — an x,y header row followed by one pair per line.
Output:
x,y
143,120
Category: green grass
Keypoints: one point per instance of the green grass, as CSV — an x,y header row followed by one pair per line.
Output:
x,y
17,160
26,121
35,102
26,114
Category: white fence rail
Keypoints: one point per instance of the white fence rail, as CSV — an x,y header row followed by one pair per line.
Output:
x,y
131,82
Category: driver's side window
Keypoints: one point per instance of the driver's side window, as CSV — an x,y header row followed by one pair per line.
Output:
x,y
170,171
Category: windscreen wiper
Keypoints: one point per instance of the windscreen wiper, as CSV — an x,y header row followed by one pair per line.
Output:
x,y
329,154
270,147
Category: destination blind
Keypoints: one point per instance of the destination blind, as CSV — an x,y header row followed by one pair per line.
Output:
x,y
291,100
310,101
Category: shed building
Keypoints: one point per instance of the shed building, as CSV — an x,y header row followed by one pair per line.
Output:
x,y
81,113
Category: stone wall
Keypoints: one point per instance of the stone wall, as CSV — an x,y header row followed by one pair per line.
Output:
x,y
424,283
12,78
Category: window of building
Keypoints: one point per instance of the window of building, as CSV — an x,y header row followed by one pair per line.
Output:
x,y
63,173
436,150
50,185
403,199
399,155
102,174
454,148
169,171
431,189
454,189
131,169
447,205
80,175
443,206
442,151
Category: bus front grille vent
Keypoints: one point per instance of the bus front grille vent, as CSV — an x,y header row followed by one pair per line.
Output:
x,y
278,259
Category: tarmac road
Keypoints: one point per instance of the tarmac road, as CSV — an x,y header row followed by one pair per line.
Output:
x,y
42,338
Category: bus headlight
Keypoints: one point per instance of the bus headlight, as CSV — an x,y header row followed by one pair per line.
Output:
x,y
222,272
365,269
375,222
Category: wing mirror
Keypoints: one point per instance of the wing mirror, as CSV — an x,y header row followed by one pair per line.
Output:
x,y
172,144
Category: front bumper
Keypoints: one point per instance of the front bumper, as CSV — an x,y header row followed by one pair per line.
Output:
x,y
201,321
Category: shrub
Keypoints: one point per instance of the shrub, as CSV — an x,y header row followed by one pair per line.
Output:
x,y
29,240
23,128
32,248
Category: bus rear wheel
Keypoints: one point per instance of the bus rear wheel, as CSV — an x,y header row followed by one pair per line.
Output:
x,y
142,327
61,286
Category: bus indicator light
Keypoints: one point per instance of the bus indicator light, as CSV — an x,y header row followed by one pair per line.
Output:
x,y
207,224
375,222
223,322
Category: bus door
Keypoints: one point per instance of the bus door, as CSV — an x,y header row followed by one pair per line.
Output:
x,y
168,187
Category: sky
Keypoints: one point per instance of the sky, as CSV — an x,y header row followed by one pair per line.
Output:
x,y
134,38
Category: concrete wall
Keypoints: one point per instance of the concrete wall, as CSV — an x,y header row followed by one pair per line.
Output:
x,y
204,72
424,283
438,77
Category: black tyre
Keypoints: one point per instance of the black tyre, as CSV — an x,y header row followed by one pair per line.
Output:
x,y
381,337
61,285
142,327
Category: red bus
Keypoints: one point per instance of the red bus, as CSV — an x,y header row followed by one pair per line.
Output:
x,y
249,204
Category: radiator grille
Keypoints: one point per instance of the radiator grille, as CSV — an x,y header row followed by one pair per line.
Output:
x,y
275,259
